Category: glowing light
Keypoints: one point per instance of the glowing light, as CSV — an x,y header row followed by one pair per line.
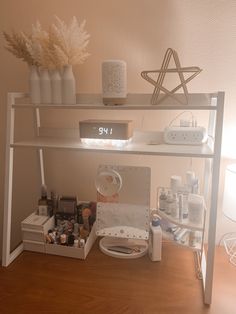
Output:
x,y
104,142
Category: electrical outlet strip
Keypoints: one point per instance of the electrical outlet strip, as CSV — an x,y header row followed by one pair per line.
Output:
x,y
185,135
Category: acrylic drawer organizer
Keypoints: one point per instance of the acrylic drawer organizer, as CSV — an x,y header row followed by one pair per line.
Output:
x,y
35,227
33,230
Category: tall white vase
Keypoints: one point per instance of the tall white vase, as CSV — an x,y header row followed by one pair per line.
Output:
x,y
34,85
56,84
68,86
45,86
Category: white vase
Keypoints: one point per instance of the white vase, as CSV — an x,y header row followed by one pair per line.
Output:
x,y
56,84
68,86
45,86
34,85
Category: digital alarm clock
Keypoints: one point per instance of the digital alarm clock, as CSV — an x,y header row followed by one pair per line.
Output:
x,y
106,129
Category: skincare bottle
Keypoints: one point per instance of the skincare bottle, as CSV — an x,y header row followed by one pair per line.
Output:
x,y
175,207
169,202
180,208
175,183
162,200
155,239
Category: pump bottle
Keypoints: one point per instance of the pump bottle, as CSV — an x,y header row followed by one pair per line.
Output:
x,y
155,239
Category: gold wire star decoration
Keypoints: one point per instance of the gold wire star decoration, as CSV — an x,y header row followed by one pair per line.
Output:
x,y
157,96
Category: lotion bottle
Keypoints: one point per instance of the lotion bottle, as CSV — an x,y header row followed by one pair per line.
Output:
x,y
155,239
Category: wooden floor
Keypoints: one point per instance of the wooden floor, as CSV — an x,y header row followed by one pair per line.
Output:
x,y
38,283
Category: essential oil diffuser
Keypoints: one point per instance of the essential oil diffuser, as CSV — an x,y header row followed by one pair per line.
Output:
x,y
114,81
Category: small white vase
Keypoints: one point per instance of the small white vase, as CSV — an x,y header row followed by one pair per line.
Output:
x,y
34,85
56,84
45,86
68,86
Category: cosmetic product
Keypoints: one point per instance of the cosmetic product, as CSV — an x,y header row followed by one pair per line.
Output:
x,y
175,183
192,182
192,238
76,228
155,239
54,199
63,239
169,202
43,202
81,243
180,208
76,243
195,209
175,207
195,186
185,238
162,200
183,190
71,239
83,233
180,234
190,176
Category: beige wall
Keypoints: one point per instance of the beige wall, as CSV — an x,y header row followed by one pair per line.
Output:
x,y
138,31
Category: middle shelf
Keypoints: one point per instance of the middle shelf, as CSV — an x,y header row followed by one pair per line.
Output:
x,y
202,151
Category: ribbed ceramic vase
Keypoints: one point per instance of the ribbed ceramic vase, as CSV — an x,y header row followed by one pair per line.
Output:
x,y
34,85
56,84
68,86
45,86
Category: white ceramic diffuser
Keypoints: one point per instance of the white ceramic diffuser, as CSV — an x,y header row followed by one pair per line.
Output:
x,y
114,82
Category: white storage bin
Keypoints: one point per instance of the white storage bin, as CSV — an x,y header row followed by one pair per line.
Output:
x,y
34,246
71,251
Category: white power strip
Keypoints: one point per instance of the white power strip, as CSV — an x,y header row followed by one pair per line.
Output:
x,y
185,135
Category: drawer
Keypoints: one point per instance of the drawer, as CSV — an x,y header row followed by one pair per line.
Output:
x,y
32,235
34,246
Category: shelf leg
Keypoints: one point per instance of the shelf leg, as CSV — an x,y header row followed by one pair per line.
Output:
x,y
8,182
40,151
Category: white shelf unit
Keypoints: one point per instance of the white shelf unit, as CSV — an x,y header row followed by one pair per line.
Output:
x,y
212,102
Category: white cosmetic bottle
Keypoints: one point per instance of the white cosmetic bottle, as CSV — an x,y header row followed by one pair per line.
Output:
x,y
155,239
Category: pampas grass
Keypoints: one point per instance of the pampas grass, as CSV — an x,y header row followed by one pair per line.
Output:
x,y
70,42
17,45
62,45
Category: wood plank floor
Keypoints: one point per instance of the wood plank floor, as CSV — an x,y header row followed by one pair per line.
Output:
x,y
38,283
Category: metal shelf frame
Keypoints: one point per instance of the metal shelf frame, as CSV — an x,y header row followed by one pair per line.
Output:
x,y
214,102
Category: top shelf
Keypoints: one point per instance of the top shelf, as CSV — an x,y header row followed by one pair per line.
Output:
x,y
197,101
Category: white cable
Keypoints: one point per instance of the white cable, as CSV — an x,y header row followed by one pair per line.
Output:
x,y
180,114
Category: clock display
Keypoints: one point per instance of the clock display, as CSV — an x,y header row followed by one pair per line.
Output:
x,y
106,129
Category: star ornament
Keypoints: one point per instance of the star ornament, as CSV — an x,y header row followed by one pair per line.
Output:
x,y
157,97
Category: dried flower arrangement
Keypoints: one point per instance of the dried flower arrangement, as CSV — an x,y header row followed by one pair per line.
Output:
x,y
62,45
